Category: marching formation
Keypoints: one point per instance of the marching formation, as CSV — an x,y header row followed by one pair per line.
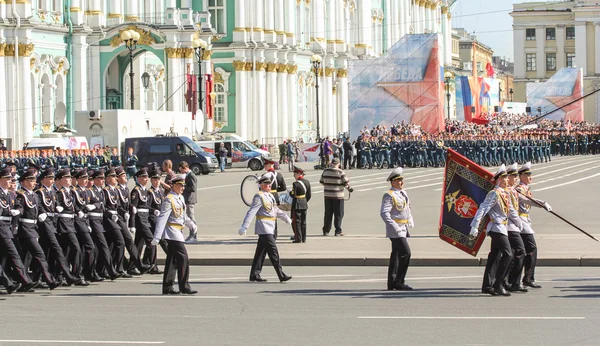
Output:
x,y
73,228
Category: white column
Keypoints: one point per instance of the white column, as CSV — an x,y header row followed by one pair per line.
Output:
x,y
292,111
3,10
560,47
115,7
581,46
519,44
446,19
327,116
258,20
393,21
26,103
170,3
239,32
96,17
540,34
187,4
3,105
290,21
318,24
282,102
132,10
365,24
597,49
79,71
261,101
241,99
342,93
175,78
269,21
271,98
342,28
279,21
330,21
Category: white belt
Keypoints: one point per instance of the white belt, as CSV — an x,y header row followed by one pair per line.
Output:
x,y
50,214
96,214
66,216
113,212
29,221
143,210
130,166
5,218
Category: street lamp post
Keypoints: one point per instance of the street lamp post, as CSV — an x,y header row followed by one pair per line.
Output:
x,y
448,78
131,37
500,94
510,92
146,84
316,61
199,46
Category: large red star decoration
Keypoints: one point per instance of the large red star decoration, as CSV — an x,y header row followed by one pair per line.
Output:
x,y
423,97
574,111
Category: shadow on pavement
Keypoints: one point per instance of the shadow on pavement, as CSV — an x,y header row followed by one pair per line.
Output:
x,y
368,293
587,292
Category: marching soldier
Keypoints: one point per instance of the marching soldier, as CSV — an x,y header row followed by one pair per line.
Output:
x,y
65,224
140,211
514,236
497,206
111,222
527,233
170,225
81,198
264,207
396,214
301,194
156,195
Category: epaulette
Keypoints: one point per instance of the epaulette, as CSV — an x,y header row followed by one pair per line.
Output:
x,y
21,191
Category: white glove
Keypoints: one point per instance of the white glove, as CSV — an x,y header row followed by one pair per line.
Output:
x,y
42,217
90,229
547,206
156,212
14,212
411,222
115,218
59,208
194,228
287,220
242,231
134,210
80,214
132,229
127,216
474,232
154,242
90,207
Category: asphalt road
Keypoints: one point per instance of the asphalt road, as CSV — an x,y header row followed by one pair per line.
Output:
x,y
570,184
319,306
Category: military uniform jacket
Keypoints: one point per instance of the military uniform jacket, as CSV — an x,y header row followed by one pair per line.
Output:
x,y
301,194
46,205
497,206
156,196
124,205
172,219
140,200
264,207
27,205
65,219
395,213
97,200
514,205
111,206
525,206
81,198
278,184
7,202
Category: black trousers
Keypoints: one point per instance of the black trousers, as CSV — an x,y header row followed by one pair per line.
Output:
x,y
516,264
32,247
143,237
497,261
72,251
104,260
56,258
265,245
399,262
117,246
530,257
334,209
299,224
347,161
134,255
177,261
12,260
88,257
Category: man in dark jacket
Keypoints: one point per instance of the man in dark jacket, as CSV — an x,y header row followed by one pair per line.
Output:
x,y
189,196
301,194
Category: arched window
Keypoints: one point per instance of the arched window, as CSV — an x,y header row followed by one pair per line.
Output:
x,y
220,106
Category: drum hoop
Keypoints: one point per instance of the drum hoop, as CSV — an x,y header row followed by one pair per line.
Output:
x,y
248,178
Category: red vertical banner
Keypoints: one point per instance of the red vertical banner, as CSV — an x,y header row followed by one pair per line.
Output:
x,y
191,95
208,87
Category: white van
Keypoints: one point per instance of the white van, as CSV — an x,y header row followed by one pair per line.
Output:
x,y
57,140
240,153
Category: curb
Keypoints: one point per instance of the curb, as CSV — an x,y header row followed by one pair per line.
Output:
x,y
383,262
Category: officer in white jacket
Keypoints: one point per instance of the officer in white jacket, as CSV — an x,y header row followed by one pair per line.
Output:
x,y
395,213
170,225
264,207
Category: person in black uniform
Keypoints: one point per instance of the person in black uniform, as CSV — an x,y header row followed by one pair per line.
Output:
x,y
140,210
8,251
96,214
156,194
301,194
131,162
278,183
81,198
65,224
27,233
111,222
124,218
47,211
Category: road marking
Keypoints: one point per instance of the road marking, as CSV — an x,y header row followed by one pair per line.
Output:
x,y
566,168
184,296
560,318
566,175
111,342
218,186
568,183
407,188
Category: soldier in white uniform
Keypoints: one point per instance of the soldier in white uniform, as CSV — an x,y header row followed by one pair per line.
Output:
x,y
264,207
514,236
527,234
497,206
396,214
170,223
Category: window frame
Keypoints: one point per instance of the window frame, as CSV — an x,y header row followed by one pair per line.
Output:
x,y
530,64
218,14
551,37
572,64
571,37
548,57
222,106
530,37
